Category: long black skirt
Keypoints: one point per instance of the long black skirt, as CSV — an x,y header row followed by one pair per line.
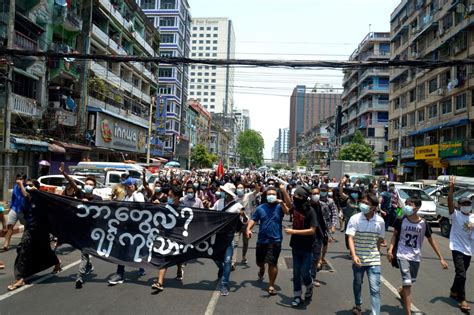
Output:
x,y
34,253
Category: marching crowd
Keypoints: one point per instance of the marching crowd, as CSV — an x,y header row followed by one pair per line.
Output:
x,y
316,205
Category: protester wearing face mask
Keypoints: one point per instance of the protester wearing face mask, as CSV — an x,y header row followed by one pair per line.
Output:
x,y
248,202
410,232
190,199
461,243
302,240
366,231
270,217
320,237
352,201
132,195
174,196
159,194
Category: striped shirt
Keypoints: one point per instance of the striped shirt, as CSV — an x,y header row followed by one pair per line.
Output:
x,y
366,234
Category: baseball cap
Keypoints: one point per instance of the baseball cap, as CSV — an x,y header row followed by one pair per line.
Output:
x,y
129,181
465,200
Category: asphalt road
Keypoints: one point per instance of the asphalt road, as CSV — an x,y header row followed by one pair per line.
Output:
x,y
56,294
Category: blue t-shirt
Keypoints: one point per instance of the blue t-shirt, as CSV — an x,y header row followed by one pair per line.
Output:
x,y
271,219
17,202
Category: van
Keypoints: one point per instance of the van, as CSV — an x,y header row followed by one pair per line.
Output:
x,y
109,173
428,207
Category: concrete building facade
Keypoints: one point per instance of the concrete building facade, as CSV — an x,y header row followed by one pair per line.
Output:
x,y
431,126
307,109
213,38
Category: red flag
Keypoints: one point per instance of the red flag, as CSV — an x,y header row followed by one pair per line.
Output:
x,y
220,170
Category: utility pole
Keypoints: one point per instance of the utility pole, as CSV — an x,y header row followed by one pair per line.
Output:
x,y
148,145
8,101
399,142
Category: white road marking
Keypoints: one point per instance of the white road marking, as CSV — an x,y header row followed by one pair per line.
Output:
x,y
213,302
394,290
39,280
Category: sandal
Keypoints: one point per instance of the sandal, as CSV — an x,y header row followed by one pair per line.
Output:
x,y
296,302
16,285
464,307
157,286
261,274
272,291
357,310
57,269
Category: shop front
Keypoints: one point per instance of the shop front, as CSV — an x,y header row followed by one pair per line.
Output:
x,y
433,165
117,139
460,164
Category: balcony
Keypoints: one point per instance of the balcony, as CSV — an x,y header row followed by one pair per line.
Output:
x,y
143,70
143,43
126,114
65,117
114,12
100,35
73,22
24,42
26,107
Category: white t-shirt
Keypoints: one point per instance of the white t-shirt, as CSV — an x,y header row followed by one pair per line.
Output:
x,y
461,237
412,235
219,206
366,235
135,197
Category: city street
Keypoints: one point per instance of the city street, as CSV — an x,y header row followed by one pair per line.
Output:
x,y
56,294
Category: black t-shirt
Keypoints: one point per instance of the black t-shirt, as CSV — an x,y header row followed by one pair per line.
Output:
x,y
303,220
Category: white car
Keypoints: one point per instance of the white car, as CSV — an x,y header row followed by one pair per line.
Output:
x,y
58,181
428,205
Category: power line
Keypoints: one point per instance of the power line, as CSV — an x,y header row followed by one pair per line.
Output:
x,y
296,64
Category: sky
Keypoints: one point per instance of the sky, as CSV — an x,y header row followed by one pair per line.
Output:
x,y
291,30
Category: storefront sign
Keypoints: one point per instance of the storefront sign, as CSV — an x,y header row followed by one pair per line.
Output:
x,y
450,149
161,104
427,152
408,153
114,133
389,156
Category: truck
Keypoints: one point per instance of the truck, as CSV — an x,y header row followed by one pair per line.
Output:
x,y
339,168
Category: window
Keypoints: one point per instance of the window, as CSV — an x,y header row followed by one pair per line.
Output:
x,y
209,28
151,20
433,111
208,35
215,35
165,89
213,80
201,48
148,4
460,133
213,94
214,41
213,87
461,102
167,38
213,99
195,28
216,28
165,72
214,54
166,54
193,55
167,4
404,120
194,35
411,119
201,35
433,85
191,86
201,28
382,116
167,21
446,106
421,115
208,48
200,54
201,42
206,100
194,41
206,93
371,132
412,95
214,48
421,92
446,133
208,54
24,86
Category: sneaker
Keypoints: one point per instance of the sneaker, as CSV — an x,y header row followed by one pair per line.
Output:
x,y
79,283
180,275
224,290
157,286
220,273
141,272
89,270
116,279
245,261
232,267
296,301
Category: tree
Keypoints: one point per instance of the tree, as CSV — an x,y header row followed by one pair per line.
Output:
x,y
250,147
201,158
357,150
303,162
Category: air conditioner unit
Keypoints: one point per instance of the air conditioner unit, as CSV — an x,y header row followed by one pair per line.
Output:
x,y
441,91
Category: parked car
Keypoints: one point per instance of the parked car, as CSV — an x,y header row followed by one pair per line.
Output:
x,y
428,206
443,211
414,184
438,191
55,184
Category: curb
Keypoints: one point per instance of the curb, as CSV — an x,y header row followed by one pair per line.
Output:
x,y
17,229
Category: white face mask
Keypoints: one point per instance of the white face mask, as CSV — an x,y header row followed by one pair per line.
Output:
x,y
466,209
315,198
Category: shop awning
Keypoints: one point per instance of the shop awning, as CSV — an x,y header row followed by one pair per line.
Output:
x,y
466,157
56,148
455,123
24,144
411,164
422,131
74,147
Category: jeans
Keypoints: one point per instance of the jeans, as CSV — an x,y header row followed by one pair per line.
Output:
x,y
302,261
373,273
226,265
317,248
461,264
84,267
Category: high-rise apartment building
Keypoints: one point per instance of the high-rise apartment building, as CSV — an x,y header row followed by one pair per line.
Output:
x,y
431,114
213,86
307,109
243,119
173,19
365,95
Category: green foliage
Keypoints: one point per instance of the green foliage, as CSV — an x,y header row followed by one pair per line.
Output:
x,y
303,162
250,147
201,158
357,150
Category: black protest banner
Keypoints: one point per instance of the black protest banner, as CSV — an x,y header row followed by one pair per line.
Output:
x,y
137,234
